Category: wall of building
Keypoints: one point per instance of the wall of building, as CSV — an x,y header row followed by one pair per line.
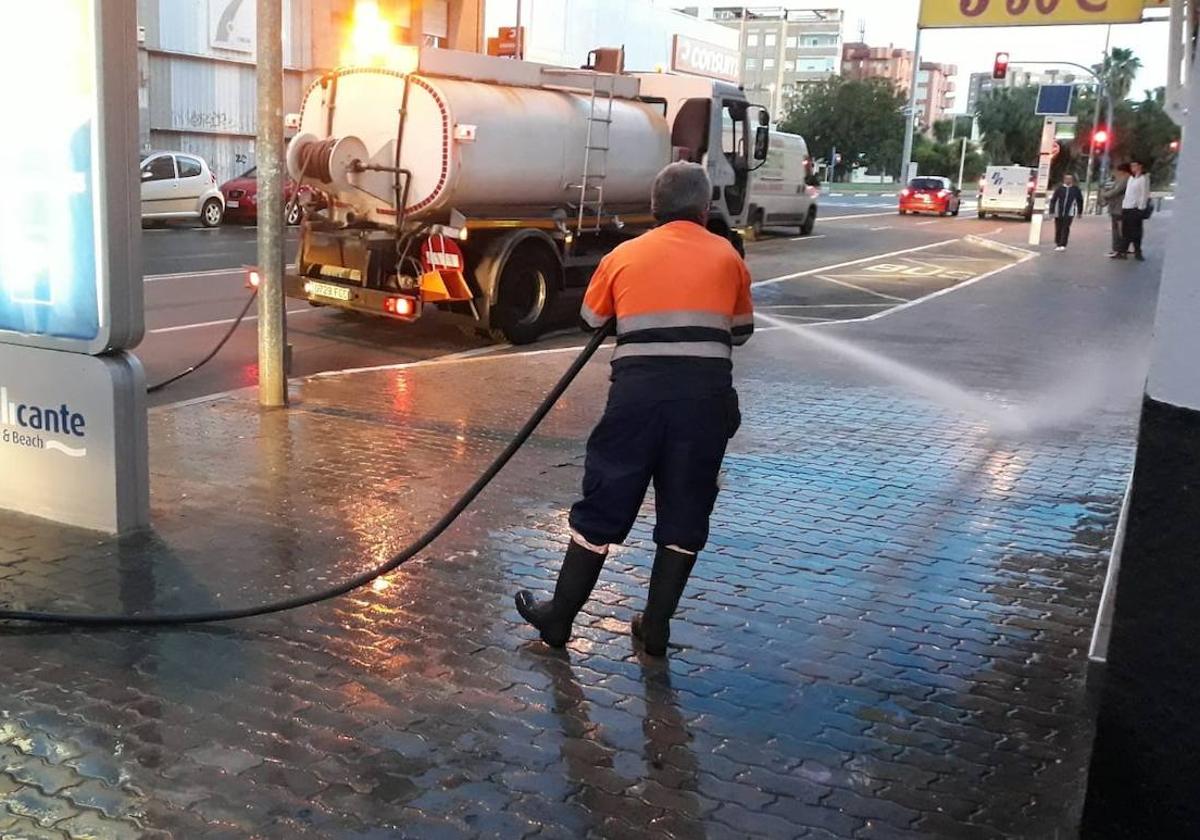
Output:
x,y
563,31
783,53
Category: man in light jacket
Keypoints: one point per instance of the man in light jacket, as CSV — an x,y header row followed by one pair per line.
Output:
x,y
1065,205
1112,197
1133,212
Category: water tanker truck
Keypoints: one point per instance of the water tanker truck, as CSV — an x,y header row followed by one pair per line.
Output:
x,y
488,186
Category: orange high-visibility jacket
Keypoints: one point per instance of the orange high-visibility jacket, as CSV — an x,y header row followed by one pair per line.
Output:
x,y
677,290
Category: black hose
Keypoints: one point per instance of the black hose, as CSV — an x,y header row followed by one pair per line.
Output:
x,y
421,543
237,322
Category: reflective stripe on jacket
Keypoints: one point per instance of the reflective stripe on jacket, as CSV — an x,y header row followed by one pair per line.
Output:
x,y
676,291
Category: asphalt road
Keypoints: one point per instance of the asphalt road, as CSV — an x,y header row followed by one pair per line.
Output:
x,y
860,261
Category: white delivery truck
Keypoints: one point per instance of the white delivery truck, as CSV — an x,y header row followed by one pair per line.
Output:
x,y
1007,191
486,186
784,190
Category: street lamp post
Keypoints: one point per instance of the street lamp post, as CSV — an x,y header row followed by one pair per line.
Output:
x,y
268,148
911,115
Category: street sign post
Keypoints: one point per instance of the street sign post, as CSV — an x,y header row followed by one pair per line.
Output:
x,y
72,400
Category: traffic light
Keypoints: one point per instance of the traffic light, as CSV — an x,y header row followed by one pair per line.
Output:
x,y
1000,68
1100,139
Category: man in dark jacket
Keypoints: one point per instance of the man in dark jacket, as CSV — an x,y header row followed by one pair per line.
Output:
x,y
1065,205
1112,197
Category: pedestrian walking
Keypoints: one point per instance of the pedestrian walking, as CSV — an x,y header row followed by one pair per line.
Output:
x,y
1065,205
1112,197
1135,205
681,299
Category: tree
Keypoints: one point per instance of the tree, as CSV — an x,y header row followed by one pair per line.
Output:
x,y
942,130
861,119
934,158
1011,131
1118,70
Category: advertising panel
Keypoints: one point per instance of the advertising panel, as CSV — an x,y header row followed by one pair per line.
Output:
x,y
67,240
698,58
954,13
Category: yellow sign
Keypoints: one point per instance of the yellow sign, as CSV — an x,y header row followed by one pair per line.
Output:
x,y
953,13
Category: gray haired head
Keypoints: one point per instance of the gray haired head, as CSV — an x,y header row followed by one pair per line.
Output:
x,y
682,192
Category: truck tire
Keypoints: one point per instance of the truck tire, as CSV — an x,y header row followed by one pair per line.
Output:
x,y
528,287
810,221
756,226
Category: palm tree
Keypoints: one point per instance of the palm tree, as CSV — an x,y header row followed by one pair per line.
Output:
x,y
1117,72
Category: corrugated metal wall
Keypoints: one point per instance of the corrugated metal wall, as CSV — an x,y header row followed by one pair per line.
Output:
x,y
201,97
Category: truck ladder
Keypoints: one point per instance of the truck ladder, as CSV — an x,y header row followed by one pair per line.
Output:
x,y
599,130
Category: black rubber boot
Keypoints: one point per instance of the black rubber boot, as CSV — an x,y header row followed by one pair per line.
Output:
x,y
667,580
553,618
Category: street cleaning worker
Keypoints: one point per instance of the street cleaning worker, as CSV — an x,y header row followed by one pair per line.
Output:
x,y
681,298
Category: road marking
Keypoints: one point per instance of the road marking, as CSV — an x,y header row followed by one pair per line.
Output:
x,y
807,238
887,195
856,216
862,289
222,322
824,306
862,195
941,292
836,195
930,222
214,272
882,227
825,268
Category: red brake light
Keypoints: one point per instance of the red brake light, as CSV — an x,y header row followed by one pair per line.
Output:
x,y
905,192
398,306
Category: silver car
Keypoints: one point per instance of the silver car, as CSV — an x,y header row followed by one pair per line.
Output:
x,y
180,186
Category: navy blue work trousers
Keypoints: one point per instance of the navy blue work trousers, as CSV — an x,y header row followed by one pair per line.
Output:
x,y
676,443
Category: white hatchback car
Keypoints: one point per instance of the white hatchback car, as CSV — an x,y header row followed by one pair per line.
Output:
x,y
180,186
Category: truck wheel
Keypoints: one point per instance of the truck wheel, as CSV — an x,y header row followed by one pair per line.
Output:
x,y
528,288
810,221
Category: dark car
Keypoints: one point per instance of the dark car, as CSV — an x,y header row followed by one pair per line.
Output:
x,y
241,198
930,195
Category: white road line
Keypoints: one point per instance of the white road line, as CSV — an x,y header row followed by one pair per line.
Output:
x,y
930,222
862,195
835,195
824,306
872,257
863,289
807,238
213,272
941,292
856,216
222,322
881,227
887,195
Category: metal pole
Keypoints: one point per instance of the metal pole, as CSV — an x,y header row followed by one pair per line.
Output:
x,y
906,156
1105,157
520,35
272,326
962,163
1087,190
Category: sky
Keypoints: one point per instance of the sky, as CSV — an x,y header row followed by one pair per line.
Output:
x,y
974,50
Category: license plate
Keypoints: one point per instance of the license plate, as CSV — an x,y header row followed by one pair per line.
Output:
x,y
232,205
326,290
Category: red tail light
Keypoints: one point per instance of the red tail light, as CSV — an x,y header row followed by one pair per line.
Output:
x,y
401,306
905,193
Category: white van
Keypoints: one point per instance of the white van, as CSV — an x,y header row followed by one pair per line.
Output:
x,y
1007,191
783,191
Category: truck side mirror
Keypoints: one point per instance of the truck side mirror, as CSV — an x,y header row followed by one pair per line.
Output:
x,y
763,117
762,142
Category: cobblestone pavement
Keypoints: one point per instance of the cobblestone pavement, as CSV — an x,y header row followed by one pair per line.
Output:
x,y
886,638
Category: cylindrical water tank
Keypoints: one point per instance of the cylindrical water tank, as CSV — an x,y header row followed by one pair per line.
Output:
x,y
480,148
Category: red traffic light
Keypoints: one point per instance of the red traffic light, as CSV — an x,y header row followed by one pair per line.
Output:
x,y
1000,68
1100,138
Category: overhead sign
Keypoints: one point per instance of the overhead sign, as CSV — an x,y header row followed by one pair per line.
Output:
x,y
69,274
1054,100
699,58
955,13
231,25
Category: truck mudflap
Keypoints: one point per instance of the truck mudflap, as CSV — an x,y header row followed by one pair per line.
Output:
x,y
324,292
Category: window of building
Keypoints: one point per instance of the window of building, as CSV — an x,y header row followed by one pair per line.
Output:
x,y
770,40
793,42
769,64
751,63
752,40
789,66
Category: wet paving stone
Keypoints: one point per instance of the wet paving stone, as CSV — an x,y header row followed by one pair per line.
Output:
x,y
886,637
